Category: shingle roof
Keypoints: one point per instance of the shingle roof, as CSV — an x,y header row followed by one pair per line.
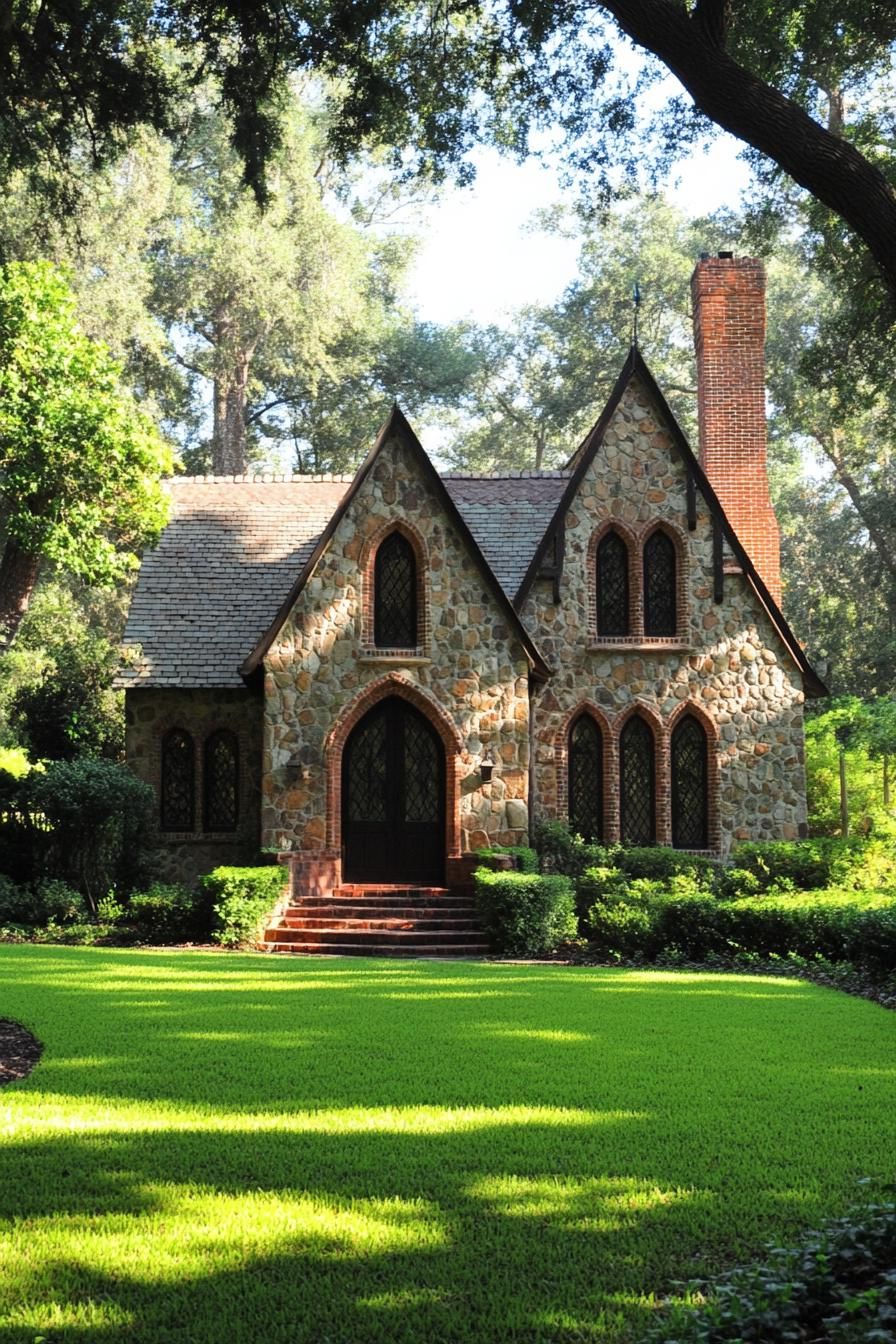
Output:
x,y
230,551
235,545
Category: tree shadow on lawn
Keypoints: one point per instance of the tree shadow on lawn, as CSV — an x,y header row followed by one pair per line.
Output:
x,y
468,1236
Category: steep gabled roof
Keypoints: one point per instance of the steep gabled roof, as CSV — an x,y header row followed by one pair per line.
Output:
x,y
396,426
635,367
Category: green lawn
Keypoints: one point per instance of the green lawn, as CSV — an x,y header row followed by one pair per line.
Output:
x,y
234,1148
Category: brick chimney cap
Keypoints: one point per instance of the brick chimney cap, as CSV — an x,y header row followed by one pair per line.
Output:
x,y
726,256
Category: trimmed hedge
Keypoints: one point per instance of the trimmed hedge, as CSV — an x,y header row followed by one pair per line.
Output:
x,y
642,918
525,914
168,911
241,900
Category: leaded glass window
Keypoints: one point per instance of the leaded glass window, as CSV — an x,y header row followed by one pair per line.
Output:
x,y
586,778
690,807
660,614
612,586
421,771
637,786
221,781
178,780
395,594
366,780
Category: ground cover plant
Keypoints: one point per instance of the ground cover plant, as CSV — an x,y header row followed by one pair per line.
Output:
x,y
396,1151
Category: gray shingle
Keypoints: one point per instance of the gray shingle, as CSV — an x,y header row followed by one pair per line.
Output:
x,y
233,548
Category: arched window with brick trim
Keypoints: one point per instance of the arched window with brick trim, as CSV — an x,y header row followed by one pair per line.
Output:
x,y
178,780
637,783
220,779
395,594
613,607
586,778
660,585
690,785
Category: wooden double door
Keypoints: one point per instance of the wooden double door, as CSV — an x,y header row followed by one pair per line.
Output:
x,y
393,798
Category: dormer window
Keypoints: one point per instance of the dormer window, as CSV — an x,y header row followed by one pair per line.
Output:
x,y
612,586
395,594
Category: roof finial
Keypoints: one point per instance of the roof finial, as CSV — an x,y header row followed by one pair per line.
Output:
x,y
636,305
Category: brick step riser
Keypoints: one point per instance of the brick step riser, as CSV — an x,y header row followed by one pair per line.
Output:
x,y
406,893
333,937
385,922
380,950
334,910
389,898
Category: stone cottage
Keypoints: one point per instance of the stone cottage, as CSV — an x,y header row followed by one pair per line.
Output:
x,y
376,675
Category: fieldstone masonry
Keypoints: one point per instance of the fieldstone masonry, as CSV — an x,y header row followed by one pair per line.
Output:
x,y
500,672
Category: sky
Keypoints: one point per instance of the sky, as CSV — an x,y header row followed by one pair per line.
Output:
x,y
479,260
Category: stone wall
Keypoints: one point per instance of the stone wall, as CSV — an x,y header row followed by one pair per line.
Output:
x,y
150,714
468,674
726,663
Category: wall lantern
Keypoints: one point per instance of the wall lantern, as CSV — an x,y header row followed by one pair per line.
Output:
x,y
486,766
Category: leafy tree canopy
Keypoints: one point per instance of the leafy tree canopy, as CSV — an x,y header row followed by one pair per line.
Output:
x,y
430,80
80,461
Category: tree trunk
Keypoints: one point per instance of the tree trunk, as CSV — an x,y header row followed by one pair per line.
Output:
x,y
828,166
230,404
18,575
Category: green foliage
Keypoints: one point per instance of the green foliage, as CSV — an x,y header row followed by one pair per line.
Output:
x,y
525,914
658,862
241,901
862,730
80,460
838,1284
562,851
96,812
807,864
526,859
167,911
14,761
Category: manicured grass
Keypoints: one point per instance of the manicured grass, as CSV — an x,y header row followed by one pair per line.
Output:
x,y
233,1148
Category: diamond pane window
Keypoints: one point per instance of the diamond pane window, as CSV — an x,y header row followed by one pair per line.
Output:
x,y
612,586
178,779
221,781
395,594
586,779
690,807
660,615
421,772
367,771
637,789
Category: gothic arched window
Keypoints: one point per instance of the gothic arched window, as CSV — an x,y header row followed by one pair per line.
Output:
x,y
220,777
637,784
690,792
586,778
660,584
612,586
395,594
177,779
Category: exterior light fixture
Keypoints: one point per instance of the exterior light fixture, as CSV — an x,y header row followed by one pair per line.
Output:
x,y
486,766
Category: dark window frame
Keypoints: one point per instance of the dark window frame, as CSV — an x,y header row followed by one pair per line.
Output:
x,y
660,623
574,765
685,723
169,762
228,736
637,724
607,629
384,637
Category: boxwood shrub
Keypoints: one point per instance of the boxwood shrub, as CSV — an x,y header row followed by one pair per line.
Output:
x,y
241,900
168,911
525,914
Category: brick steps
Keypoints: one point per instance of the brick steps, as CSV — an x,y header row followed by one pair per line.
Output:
x,y
386,921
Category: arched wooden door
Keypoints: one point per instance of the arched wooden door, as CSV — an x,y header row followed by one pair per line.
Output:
x,y
393,798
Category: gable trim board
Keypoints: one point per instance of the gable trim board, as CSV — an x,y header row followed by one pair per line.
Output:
x,y
636,367
396,426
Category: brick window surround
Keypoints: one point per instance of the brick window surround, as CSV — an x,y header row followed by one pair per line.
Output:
x,y
393,683
661,729
635,540
369,647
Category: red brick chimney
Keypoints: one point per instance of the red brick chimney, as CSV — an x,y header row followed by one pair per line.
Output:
x,y
729,332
